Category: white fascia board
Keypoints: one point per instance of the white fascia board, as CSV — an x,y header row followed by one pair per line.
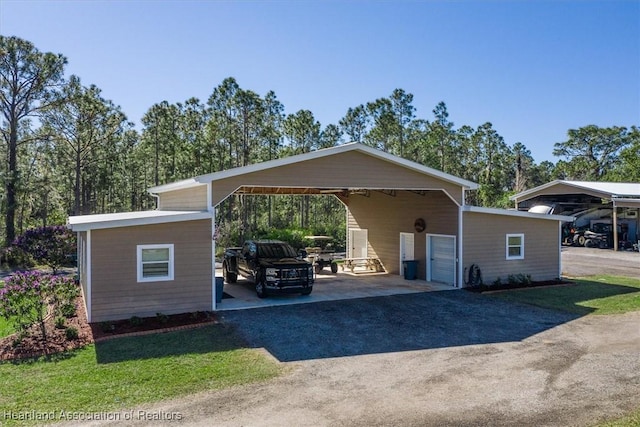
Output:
x,y
611,189
172,186
521,214
536,189
130,219
623,202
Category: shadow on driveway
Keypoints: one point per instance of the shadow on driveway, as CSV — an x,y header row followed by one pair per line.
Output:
x,y
389,324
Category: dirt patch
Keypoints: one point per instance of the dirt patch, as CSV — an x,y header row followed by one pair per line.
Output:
x,y
57,342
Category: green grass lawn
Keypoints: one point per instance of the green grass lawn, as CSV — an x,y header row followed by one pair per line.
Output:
x,y
589,295
5,328
631,420
124,372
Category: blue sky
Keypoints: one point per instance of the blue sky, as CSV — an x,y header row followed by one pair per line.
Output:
x,y
532,68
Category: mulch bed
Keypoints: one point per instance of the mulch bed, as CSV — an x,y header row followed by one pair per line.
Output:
x,y
512,286
35,346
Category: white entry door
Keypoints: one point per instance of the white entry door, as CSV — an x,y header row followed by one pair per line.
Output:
x,y
358,243
406,249
441,259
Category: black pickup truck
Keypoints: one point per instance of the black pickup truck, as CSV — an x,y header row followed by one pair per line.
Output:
x,y
273,266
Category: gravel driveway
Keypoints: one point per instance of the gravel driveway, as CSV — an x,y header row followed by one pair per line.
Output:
x,y
441,358
578,261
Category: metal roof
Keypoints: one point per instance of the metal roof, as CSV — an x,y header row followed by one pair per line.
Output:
x,y
519,214
608,189
128,219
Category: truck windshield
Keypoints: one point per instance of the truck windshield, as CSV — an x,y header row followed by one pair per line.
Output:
x,y
275,250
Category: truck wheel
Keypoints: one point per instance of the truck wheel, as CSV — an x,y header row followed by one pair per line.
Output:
x,y
582,240
227,275
307,291
334,267
261,289
318,267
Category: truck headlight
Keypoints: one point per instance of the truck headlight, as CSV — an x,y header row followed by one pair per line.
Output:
x,y
271,274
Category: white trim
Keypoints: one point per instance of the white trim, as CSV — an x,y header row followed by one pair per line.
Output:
x,y
214,304
559,250
613,189
521,246
460,258
619,202
130,219
202,179
521,214
172,186
139,263
88,275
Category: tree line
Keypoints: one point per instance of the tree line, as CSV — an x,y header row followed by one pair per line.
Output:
x,y
69,151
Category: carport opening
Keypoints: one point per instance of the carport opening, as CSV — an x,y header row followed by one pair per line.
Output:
x,y
291,214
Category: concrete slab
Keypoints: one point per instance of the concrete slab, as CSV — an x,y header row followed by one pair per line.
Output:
x,y
328,287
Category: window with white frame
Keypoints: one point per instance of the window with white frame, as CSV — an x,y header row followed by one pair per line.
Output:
x,y
155,263
515,246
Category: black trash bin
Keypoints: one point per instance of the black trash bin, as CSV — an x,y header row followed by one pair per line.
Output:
x,y
219,289
410,269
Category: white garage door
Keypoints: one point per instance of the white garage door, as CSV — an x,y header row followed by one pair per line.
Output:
x,y
441,259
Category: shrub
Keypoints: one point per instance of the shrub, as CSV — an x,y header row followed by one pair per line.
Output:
x,y
54,246
27,297
162,318
519,279
60,322
14,257
71,333
136,321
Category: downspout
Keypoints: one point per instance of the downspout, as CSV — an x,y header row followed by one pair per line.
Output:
x,y
157,197
460,278
88,277
212,211
615,225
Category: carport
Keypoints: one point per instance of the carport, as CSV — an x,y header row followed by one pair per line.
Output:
x,y
396,209
619,201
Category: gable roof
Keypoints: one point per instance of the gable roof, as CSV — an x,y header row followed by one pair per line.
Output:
x,y
332,151
607,190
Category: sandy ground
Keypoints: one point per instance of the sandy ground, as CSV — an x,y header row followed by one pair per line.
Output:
x,y
589,261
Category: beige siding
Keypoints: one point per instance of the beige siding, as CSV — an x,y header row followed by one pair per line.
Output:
x,y
385,217
485,245
348,170
115,291
190,199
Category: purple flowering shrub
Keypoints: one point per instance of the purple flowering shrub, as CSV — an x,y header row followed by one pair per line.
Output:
x,y
29,298
52,245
